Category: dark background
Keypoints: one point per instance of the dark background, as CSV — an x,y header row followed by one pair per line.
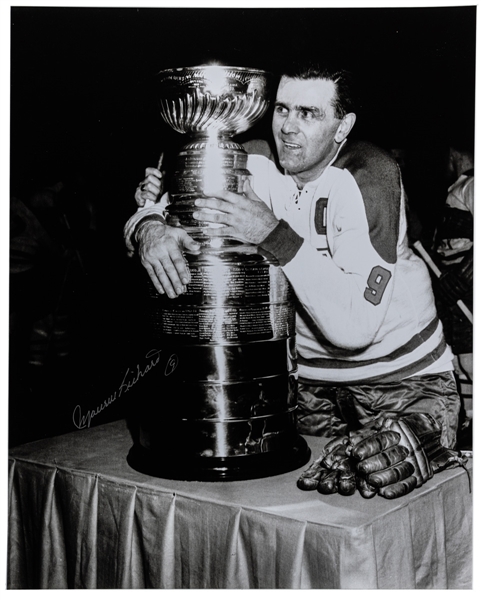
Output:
x,y
84,111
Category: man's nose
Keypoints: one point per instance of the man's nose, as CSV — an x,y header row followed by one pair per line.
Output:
x,y
290,124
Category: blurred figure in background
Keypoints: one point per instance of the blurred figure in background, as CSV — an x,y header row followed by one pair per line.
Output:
x,y
454,249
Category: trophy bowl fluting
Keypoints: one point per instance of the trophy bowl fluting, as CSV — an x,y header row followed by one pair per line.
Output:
x,y
213,98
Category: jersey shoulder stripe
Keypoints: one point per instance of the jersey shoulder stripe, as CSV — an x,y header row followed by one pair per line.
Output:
x,y
378,177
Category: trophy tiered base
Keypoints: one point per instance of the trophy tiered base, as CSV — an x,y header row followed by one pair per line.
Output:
x,y
182,467
225,408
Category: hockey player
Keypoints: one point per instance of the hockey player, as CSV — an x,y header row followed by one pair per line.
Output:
x,y
368,337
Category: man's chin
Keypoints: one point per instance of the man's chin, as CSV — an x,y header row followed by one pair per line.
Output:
x,y
289,166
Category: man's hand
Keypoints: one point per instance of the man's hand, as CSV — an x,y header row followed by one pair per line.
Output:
x,y
150,188
245,217
160,251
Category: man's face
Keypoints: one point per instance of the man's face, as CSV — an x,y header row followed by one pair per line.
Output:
x,y
305,127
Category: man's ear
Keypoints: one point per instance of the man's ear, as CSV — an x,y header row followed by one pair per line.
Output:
x,y
345,127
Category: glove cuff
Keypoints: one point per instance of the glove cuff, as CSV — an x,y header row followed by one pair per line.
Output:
x,y
410,436
428,432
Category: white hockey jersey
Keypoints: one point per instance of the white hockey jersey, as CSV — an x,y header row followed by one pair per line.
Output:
x,y
365,306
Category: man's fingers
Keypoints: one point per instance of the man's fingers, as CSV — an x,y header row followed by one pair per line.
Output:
x,y
222,232
150,186
164,273
153,277
146,191
230,197
168,277
161,253
190,245
215,204
178,270
153,171
185,242
164,277
140,199
172,270
210,217
225,231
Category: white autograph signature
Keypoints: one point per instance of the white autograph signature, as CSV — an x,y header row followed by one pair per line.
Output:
x,y
81,421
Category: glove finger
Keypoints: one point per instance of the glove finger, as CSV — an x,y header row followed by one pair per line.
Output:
x,y
383,460
391,475
328,483
343,465
366,490
347,483
308,483
375,444
312,469
337,453
401,488
309,478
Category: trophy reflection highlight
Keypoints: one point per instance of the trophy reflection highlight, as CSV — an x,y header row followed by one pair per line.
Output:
x,y
228,411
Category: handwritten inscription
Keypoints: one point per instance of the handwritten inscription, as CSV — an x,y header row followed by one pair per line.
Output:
x,y
131,377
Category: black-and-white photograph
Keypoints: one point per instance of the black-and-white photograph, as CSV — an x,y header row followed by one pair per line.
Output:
x,y
240,335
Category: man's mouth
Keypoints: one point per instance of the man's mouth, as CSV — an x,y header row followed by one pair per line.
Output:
x,y
291,146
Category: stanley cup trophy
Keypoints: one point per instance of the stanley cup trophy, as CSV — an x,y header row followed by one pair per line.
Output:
x,y
225,406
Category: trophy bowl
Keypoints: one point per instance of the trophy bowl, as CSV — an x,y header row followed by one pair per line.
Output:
x,y
210,104
214,99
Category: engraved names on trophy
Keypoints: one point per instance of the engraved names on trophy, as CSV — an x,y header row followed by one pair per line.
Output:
x,y
228,302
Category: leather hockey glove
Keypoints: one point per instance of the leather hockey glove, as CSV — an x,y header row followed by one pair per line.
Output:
x,y
401,456
333,471
390,463
389,457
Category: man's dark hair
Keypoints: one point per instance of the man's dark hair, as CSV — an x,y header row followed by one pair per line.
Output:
x,y
344,101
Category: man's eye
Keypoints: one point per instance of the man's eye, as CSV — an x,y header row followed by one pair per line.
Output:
x,y
306,114
282,110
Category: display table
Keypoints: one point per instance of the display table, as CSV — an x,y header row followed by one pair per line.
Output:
x,y
80,517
